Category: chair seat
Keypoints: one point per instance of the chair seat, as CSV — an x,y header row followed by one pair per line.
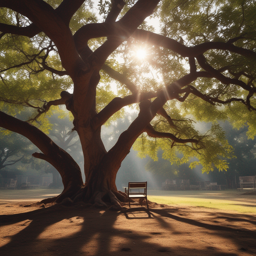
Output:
x,y
137,196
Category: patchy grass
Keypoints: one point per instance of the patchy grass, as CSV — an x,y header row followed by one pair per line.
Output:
x,y
226,205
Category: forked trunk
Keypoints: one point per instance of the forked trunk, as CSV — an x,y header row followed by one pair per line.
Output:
x,y
100,167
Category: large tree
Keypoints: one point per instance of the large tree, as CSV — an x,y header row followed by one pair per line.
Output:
x,y
201,66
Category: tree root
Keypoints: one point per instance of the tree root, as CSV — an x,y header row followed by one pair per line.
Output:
x,y
104,199
108,198
97,197
121,196
48,200
114,200
70,192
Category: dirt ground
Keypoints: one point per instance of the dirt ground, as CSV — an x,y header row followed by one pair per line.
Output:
x,y
163,230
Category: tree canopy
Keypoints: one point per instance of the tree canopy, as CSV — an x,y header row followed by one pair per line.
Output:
x,y
196,64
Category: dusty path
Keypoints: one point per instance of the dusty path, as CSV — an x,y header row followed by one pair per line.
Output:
x,y
81,230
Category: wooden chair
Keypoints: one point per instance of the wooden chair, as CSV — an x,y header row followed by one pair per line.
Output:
x,y
137,190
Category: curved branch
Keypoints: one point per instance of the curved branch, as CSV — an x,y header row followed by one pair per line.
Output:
x,y
155,134
54,71
225,80
170,92
60,159
164,114
45,17
66,98
185,51
117,6
190,89
228,101
116,104
65,10
212,100
28,31
174,89
120,78
127,138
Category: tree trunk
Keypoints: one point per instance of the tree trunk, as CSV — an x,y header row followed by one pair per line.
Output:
x,y
100,176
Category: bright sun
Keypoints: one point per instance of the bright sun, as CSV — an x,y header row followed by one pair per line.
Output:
x,y
141,53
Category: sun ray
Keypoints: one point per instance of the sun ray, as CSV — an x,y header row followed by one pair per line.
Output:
x,y
141,53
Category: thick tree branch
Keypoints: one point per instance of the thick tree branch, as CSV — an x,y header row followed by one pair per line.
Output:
x,y
192,64
16,5
60,159
148,111
54,71
174,89
127,138
116,104
117,6
193,51
52,24
65,10
89,31
28,31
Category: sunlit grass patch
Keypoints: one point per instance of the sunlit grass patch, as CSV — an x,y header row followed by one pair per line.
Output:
x,y
226,205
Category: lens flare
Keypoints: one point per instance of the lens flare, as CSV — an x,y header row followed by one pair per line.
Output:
x,y
141,53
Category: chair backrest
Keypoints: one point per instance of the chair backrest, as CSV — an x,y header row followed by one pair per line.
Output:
x,y
247,179
137,184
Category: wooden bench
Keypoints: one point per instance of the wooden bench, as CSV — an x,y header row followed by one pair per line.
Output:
x,y
13,184
213,186
137,190
247,182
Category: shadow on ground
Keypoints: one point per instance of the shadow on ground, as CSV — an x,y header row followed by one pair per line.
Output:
x,y
83,230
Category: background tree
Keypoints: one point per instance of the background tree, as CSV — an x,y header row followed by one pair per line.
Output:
x,y
61,133
200,67
242,165
12,149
